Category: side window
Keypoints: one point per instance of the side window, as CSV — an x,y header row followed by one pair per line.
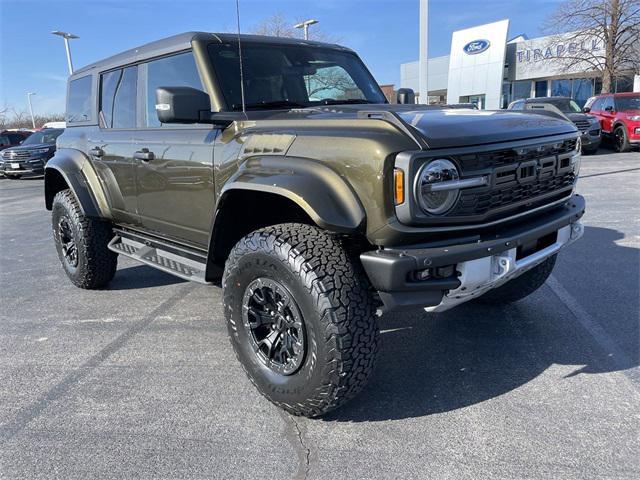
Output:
x,y
608,102
79,101
597,105
175,71
118,98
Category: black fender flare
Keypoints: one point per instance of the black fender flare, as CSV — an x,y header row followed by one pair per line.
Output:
x,y
316,188
79,175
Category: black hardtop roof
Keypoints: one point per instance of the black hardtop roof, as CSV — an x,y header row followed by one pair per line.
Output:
x,y
183,41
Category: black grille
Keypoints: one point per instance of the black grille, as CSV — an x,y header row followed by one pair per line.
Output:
x,y
499,158
471,203
518,175
582,125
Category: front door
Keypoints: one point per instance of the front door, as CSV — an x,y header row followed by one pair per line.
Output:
x,y
173,163
174,180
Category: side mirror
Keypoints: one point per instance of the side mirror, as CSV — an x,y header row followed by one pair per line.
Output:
x,y
609,108
406,96
586,109
182,105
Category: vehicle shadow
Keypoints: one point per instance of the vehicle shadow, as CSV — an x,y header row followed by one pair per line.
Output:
x,y
434,363
141,276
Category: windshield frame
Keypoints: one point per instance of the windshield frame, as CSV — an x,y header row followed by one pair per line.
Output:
x,y
228,103
31,139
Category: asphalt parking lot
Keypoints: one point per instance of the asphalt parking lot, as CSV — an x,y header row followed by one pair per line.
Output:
x,y
139,381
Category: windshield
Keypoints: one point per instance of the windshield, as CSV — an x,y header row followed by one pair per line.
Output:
x,y
628,103
43,136
286,76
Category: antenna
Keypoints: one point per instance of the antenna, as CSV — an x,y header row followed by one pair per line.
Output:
x,y
240,58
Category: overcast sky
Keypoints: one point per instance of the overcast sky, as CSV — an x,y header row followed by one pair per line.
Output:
x,y
383,32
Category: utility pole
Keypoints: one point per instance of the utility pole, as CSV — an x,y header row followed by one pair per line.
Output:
x,y
424,53
67,36
33,121
305,26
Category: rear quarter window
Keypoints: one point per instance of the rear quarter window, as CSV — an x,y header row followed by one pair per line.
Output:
x,y
79,100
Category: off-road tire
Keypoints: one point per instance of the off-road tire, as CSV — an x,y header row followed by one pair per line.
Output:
x,y
96,264
336,303
520,287
621,140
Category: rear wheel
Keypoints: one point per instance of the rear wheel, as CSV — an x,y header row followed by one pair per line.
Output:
x,y
301,317
81,243
520,287
621,139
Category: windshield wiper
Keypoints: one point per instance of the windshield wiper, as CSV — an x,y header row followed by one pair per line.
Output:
x,y
331,101
268,105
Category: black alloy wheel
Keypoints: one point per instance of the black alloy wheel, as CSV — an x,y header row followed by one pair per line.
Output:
x,y
275,326
67,242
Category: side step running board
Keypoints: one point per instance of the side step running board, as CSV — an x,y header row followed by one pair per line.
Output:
x,y
187,268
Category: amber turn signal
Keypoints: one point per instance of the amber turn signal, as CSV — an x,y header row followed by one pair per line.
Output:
x,y
398,186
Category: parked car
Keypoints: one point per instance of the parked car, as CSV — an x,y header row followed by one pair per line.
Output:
x,y
11,138
588,125
619,116
30,157
312,200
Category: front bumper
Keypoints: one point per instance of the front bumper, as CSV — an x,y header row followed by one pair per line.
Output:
x,y
23,167
589,141
391,271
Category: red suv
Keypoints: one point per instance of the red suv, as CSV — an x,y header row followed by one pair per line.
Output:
x,y
619,115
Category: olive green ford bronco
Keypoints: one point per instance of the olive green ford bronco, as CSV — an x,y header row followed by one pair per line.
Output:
x,y
278,168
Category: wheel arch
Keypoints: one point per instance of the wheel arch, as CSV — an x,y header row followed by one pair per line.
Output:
x,y
271,190
70,169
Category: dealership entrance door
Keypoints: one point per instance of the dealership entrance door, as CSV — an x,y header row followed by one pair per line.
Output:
x,y
478,100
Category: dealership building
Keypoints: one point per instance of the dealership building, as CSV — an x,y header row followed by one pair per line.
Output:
x,y
489,69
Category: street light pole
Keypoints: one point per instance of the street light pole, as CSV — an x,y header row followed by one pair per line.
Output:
x,y
33,121
305,25
67,36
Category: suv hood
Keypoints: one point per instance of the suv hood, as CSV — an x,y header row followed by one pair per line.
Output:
x,y
30,147
442,127
459,128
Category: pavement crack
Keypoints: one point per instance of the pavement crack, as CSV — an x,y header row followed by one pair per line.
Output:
x,y
296,435
29,413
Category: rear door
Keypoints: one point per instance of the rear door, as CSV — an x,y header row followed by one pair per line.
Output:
x,y
111,145
173,163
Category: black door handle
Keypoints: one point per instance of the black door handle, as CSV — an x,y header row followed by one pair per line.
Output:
x,y
144,155
96,152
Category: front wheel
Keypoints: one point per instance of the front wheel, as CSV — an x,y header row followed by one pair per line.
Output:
x,y
301,317
520,287
621,140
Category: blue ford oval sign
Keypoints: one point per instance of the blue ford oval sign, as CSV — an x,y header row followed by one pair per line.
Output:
x,y
475,47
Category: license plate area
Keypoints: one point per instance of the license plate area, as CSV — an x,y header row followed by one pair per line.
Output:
x,y
536,245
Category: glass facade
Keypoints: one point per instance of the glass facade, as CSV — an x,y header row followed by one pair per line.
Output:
x,y
560,88
521,90
541,88
582,90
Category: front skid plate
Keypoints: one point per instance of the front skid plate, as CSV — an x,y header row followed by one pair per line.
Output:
x,y
486,273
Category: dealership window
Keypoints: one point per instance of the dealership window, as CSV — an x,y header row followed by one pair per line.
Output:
x,y
624,84
118,98
521,90
560,88
175,71
582,90
506,95
541,88
79,101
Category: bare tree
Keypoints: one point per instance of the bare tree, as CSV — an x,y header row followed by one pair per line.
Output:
x,y
602,34
279,25
10,117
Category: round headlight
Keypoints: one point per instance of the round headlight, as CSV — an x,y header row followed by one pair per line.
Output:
x,y
434,200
